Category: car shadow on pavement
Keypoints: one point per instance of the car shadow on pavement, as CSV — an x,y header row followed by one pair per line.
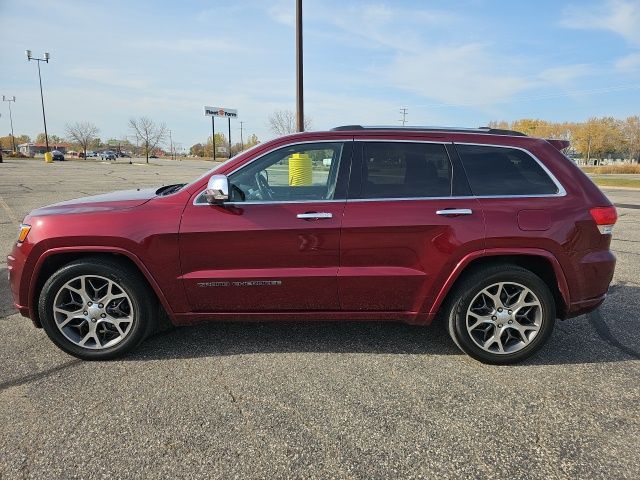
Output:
x,y
595,338
239,338
609,334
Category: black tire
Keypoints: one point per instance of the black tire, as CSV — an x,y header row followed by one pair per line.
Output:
x,y
472,284
143,301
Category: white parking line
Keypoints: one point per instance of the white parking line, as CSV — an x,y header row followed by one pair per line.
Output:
x,y
7,209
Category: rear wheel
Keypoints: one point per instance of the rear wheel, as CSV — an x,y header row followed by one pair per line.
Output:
x,y
502,314
96,309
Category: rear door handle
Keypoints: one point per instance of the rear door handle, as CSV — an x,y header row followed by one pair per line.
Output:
x,y
454,211
315,215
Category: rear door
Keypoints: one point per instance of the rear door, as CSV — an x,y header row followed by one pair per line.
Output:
x,y
409,218
275,246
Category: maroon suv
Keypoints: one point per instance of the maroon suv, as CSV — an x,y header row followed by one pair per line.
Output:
x,y
498,232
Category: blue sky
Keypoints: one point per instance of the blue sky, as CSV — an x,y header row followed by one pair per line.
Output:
x,y
459,63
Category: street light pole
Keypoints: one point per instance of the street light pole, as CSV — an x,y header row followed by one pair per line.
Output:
x,y
44,118
241,139
13,138
299,83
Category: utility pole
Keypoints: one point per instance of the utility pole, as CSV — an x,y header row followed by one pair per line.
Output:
x,y
45,59
299,82
241,139
171,145
13,138
403,112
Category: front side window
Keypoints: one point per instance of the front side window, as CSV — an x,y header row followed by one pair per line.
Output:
x,y
405,170
504,171
303,172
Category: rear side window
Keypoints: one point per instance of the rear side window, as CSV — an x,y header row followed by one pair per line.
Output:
x,y
405,170
504,171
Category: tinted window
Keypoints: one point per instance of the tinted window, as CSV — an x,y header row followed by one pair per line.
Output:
x,y
504,171
405,170
294,173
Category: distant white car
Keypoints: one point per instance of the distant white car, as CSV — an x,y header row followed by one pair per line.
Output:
x,y
326,162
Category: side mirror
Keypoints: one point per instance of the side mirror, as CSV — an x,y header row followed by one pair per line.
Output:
x,y
217,189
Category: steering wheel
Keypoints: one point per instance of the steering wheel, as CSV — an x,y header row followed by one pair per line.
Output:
x,y
263,187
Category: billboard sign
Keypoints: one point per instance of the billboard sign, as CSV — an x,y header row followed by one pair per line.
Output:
x,y
220,112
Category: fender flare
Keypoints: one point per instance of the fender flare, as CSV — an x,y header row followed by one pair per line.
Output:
x,y
89,249
561,279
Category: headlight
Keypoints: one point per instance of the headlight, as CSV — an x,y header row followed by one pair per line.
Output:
x,y
24,231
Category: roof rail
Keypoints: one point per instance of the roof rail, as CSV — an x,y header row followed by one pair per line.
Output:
x,y
486,130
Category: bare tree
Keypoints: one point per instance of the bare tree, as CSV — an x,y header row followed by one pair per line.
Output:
x,y
150,134
283,122
82,133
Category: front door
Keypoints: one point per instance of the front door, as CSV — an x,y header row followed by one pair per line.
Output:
x,y
408,220
275,246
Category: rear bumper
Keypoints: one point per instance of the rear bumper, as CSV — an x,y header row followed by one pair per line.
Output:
x,y
595,273
585,306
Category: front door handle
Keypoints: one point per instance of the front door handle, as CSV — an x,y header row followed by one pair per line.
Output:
x,y
454,212
315,215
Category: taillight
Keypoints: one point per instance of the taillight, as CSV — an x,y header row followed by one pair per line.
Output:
x,y
605,218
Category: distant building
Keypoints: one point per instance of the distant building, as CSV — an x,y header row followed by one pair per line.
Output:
x,y
33,149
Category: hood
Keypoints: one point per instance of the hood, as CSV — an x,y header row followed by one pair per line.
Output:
x,y
97,203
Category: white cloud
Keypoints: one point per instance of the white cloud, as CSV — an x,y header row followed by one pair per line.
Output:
x,y
377,14
465,74
189,45
282,13
621,17
629,63
108,76
565,74
394,28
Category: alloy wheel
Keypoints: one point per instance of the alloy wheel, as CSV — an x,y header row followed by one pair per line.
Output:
x,y
504,317
93,312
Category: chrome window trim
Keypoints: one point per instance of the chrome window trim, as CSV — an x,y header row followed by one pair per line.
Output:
x,y
561,190
262,202
336,140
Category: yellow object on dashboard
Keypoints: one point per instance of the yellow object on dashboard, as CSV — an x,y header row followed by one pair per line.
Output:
x,y
300,170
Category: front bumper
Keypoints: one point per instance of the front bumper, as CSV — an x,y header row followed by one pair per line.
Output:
x,y
15,265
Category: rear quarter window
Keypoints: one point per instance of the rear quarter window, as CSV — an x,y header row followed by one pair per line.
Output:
x,y
504,171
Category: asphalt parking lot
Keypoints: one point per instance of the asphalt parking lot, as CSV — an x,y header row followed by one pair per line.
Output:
x,y
313,400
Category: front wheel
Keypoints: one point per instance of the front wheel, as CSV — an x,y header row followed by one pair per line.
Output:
x,y
502,314
96,309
